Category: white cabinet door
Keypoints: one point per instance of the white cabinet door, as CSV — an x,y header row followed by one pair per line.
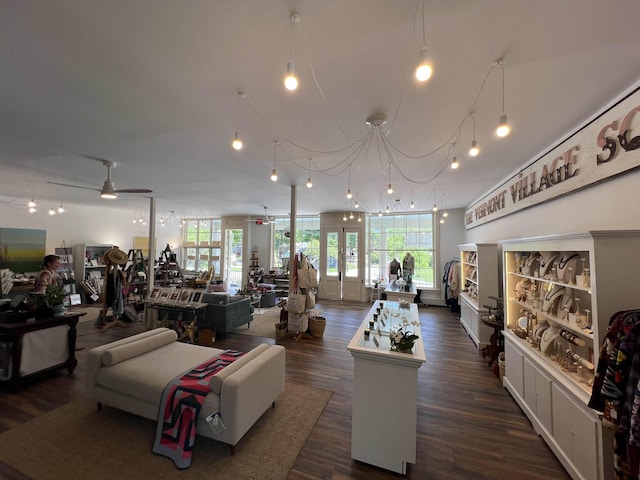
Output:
x,y
543,401
576,433
529,374
513,367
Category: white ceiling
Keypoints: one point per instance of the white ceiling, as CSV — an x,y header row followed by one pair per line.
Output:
x,y
152,85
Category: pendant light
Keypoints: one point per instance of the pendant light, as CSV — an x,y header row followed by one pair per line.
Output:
x,y
424,70
309,183
349,194
474,150
503,128
455,164
237,141
274,174
291,79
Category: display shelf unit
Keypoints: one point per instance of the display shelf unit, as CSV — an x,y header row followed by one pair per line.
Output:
x,y
254,268
89,266
573,283
479,269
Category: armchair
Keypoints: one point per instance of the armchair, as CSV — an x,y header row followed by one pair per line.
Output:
x,y
225,317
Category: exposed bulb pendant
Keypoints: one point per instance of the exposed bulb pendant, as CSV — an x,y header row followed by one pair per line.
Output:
x,y
435,207
349,194
237,142
357,205
52,211
474,150
32,204
309,183
379,213
274,175
454,163
503,128
32,210
424,69
344,217
291,79
60,209
351,215
412,204
389,189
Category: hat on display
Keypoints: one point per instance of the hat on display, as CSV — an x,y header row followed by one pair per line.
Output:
x,y
116,256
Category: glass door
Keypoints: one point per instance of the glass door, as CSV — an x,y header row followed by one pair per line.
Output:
x,y
233,259
342,267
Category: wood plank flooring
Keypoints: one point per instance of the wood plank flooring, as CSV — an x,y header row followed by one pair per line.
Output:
x,y
468,427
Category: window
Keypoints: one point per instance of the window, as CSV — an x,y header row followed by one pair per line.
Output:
x,y
307,240
392,236
201,245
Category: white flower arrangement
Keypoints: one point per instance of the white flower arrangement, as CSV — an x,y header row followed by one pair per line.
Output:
x,y
401,338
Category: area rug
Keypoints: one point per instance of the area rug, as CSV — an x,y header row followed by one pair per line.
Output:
x,y
77,441
262,325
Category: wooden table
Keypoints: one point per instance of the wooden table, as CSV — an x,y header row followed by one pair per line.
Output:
x,y
396,293
12,337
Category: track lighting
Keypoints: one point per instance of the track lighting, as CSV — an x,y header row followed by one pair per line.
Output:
x,y
237,141
291,79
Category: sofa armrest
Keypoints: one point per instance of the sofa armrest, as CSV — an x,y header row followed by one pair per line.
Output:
x,y
247,394
95,355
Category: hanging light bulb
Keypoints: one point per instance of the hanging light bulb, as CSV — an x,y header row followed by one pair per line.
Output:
x,y
274,174
389,189
309,183
357,205
60,209
32,204
442,220
424,69
379,213
435,208
291,79
32,210
503,128
412,204
52,211
344,217
445,214
360,218
474,150
349,194
237,141
387,209
134,220
350,215
454,163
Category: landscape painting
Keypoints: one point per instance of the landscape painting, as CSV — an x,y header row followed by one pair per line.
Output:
x,y
22,250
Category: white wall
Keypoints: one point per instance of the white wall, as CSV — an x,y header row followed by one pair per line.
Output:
x,y
610,205
83,224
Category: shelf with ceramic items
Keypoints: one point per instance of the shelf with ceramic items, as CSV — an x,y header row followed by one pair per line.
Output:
x,y
89,268
481,286
560,293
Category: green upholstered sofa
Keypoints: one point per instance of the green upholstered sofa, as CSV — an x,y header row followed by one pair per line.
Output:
x,y
225,315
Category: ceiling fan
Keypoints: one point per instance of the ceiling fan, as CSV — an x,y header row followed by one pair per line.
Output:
x,y
265,220
108,189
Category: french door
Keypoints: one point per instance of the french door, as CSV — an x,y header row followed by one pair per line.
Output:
x,y
342,264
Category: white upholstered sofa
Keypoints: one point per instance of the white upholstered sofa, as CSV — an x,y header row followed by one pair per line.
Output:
x,y
130,374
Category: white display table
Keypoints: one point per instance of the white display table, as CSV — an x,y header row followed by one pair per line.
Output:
x,y
395,293
385,393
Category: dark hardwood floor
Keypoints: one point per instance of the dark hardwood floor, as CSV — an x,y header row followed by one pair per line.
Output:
x,y
468,425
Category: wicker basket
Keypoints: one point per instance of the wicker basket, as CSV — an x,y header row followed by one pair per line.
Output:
x,y
316,326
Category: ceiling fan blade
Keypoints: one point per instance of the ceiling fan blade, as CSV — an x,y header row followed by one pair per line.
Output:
x,y
75,186
133,190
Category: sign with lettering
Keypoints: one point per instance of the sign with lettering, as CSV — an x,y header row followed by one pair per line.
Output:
x,y
605,147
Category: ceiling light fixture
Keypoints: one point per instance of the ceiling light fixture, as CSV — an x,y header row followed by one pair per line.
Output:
x,y
349,194
60,209
455,164
389,188
424,69
291,79
503,128
237,141
32,204
274,174
52,211
309,183
474,150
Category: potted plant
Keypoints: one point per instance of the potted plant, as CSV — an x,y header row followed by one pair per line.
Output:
x,y
54,298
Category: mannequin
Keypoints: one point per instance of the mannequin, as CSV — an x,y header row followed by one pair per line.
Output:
x,y
408,265
394,269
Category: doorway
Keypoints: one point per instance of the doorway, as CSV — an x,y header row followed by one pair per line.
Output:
x,y
342,264
233,258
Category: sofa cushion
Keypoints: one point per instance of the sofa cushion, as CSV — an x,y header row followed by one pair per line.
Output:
x,y
125,352
215,384
145,376
215,298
